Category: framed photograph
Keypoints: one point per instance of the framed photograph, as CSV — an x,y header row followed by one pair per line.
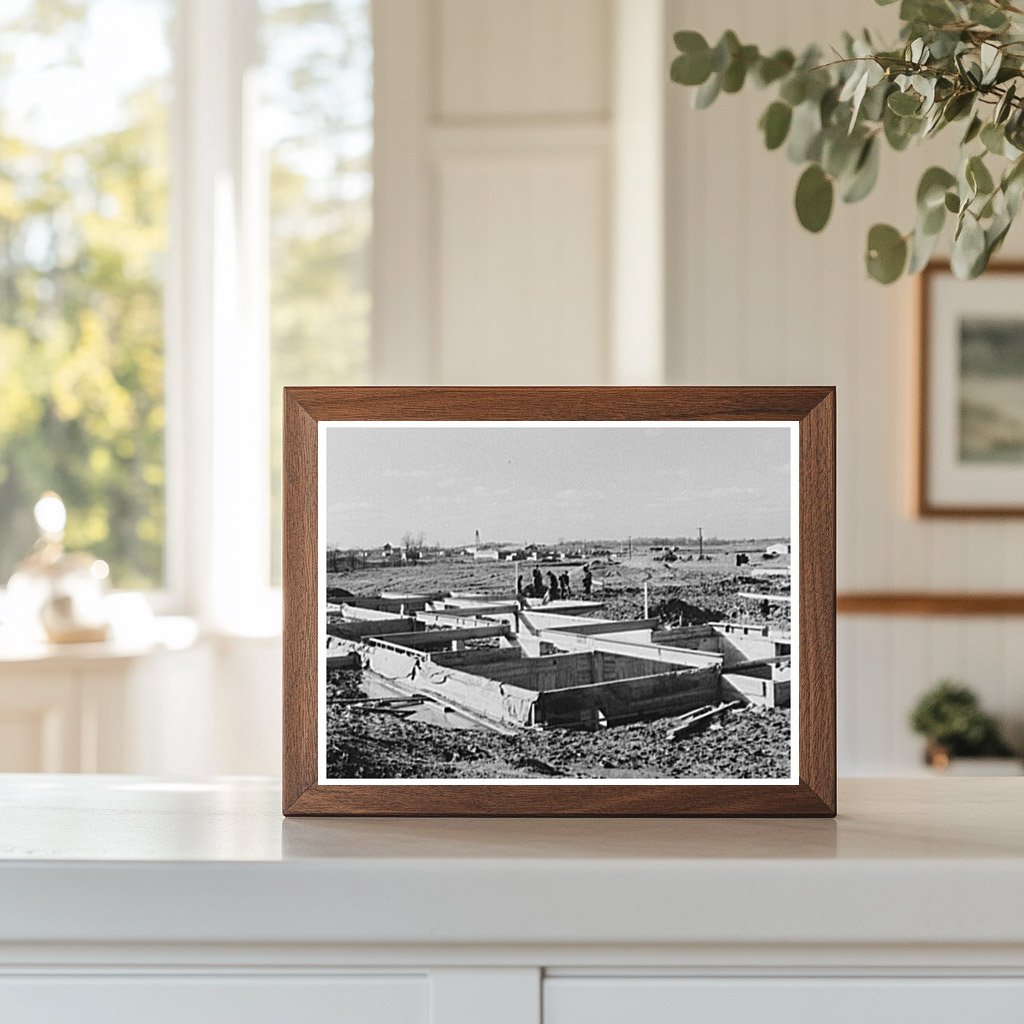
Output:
x,y
559,601
970,445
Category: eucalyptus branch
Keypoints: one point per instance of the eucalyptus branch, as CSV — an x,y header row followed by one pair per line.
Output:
x,y
954,60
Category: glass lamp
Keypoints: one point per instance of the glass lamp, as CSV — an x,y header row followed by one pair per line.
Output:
x,y
55,595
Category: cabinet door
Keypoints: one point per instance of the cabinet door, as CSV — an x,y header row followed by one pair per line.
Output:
x,y
782,1001
202,999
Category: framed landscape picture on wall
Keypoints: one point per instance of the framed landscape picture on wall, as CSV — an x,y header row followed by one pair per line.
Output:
x,y
970,445
572,601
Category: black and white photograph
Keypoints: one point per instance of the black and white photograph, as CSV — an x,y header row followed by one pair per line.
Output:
x,y
543,602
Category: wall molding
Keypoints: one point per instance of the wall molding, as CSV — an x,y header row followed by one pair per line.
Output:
x,y
929,603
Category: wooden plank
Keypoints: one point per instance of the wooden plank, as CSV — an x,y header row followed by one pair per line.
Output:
x,y
444,637
648,652
594,628
358,630
461,619
363,613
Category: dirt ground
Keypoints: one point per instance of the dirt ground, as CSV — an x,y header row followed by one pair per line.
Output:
x,y
752,743
680,593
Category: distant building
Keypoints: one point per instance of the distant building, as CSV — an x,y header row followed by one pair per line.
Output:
x,y
486,554
778,549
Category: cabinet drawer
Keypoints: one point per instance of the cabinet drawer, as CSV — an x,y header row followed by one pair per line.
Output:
x,y
202,999
659,1000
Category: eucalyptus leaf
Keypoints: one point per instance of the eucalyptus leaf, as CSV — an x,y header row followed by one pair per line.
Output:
x,y
735,74
991,60
958,105
900,130
794,88
932,221
987,15
805,133
775,124
993,138
771,69
707,93
973,130
1005,105
978,176
840,152
690,69
873,106
827,106
886,253
814,195
904,103
1013,187
931,190
933,122
724,51
922,248
968,248
865,173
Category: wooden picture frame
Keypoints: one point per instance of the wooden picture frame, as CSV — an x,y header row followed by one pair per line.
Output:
x,y
940,488
309,412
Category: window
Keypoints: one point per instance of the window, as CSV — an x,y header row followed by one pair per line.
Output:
x,y
83,235
317,87
199,164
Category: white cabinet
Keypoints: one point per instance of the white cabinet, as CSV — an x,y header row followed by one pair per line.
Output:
x,y
134,899
828,1000
216,1000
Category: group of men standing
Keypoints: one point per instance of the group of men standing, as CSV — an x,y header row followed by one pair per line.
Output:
x,y
554,588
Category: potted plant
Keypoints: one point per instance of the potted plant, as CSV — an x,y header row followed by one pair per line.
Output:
x,y
956,62
950,718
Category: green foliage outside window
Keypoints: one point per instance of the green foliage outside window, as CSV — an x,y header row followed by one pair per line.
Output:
x,y
82,233
83,244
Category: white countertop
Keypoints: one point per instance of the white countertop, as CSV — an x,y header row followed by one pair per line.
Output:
x,y
123,859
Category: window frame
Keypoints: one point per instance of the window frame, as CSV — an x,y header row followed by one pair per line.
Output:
x,y
216,347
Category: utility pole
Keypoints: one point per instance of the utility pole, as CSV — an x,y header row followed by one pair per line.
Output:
x,y
700,542
631,549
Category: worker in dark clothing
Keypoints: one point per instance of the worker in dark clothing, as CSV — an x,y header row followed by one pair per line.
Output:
x,y
553,586
564,581
538,583
766,609
588,581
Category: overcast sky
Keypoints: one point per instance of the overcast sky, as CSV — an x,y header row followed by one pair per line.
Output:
x,y
542,484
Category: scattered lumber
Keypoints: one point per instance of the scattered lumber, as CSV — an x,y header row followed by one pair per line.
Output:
x,y
700,719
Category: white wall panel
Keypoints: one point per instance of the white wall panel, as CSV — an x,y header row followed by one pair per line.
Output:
x,y
522,286
754,299
526,58
494,207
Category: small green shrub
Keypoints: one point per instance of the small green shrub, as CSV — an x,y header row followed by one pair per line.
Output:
x,y
950,716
